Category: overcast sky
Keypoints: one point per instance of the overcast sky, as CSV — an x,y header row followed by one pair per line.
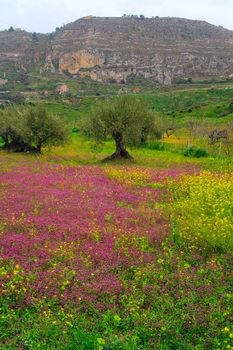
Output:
x,y
45,15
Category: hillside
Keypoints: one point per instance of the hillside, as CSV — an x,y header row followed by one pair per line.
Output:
x,y
20,51
127,49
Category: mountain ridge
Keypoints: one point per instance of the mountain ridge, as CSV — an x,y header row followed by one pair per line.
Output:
x,y
124,49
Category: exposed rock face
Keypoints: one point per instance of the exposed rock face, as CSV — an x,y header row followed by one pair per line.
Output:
x,y
161,49
3,81
164,50
73,62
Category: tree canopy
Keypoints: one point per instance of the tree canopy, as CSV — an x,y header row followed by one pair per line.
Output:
x,y
43,128
126,120
26,128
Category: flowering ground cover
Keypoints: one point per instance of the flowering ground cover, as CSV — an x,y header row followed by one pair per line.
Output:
x,y
98,257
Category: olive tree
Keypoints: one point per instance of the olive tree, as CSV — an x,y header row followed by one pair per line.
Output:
x,y
27,128
12,127
126,120
43,128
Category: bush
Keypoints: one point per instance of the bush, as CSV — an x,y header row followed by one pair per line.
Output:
x,y
231,107
1,142
75,130
195,152
158,146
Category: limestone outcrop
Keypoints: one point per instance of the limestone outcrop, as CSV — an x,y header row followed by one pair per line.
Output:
x,y
75,61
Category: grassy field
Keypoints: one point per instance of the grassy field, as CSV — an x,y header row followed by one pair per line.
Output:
x,y
116,256
120,256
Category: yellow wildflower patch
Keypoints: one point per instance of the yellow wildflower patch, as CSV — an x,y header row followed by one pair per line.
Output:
x,y
204,210
135,176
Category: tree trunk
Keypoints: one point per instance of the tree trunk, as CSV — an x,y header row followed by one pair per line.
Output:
x,y
38,147
120,149
7,144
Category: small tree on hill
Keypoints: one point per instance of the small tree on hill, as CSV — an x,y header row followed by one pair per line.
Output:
x,y
34,36
126,120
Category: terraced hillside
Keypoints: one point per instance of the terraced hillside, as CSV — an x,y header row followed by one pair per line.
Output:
x,y
162,49
127,49
20,51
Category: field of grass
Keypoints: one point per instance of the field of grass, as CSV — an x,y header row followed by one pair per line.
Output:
x,y
124,255
115,256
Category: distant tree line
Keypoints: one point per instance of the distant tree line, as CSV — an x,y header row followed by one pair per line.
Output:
x,y
142,17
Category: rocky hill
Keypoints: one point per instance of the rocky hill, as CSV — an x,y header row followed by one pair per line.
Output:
x,y
163,50
20,51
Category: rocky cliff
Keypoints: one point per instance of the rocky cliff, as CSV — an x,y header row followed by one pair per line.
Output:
x,y
163,50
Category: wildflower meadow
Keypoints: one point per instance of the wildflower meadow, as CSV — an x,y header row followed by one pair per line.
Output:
x,y
114,257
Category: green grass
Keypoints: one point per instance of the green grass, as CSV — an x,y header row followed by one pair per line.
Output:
x,y
178,106
185,104
203,106
197,319
81,150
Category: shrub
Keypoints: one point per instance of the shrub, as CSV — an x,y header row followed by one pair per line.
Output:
x,y
231,107
75,130
1,142
158,146
195,152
